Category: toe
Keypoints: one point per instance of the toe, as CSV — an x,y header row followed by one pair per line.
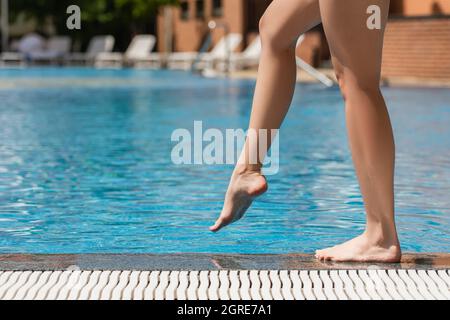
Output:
x,y
217,226
323,255
220,223
320,254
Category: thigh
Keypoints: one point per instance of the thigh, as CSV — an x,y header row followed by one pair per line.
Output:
x,y
286,20
355,48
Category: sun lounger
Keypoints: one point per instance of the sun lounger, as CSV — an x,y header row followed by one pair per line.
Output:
x,y
28,44
97,45
248,58
310,69
12,59
56,49
138,54
185,60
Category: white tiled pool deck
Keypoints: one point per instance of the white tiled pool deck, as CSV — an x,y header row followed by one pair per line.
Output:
x,y
326,282
226,285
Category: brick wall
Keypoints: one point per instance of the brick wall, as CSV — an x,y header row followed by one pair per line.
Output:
x,y
418,48
424,7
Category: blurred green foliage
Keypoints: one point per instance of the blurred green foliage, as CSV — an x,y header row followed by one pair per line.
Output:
x,y
121,18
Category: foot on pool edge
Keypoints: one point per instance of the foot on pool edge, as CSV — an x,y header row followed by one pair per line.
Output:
x,y
362,249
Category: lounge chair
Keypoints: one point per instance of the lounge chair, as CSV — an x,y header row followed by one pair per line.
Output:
x,y
319,76
137,54
12,59
245,59
186,60
97,45
55,51
28,44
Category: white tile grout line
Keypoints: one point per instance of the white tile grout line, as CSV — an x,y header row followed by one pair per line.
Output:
x,y
225,285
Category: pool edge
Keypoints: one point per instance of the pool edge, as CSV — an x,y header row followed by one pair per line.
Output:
x,y
203,261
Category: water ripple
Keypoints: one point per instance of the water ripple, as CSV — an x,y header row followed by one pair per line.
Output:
x,y
87,168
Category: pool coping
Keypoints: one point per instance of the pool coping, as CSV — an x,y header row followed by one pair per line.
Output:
x,y
204,261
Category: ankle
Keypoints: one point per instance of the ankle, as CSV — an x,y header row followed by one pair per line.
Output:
x,y
243,169
382,235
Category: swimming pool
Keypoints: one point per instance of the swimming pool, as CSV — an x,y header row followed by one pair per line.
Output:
x,y
85,166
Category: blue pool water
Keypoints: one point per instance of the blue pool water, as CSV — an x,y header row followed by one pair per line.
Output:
x,y
85,166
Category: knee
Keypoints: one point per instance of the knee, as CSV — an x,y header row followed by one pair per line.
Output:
x,y
271,35
340,79
351,85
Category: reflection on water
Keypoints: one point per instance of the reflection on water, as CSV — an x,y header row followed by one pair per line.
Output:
x,y
85,167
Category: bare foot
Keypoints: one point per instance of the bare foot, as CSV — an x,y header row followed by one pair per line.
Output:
x,y
362,249
245,186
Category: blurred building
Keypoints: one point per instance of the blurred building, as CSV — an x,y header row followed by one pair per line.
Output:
x,y
417,37
417,43
190,21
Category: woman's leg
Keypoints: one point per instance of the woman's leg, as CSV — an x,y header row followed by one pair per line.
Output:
x,y
281,25
357,52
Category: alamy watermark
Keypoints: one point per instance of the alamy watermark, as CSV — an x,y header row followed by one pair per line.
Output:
x,y
219,147
73,22
374,20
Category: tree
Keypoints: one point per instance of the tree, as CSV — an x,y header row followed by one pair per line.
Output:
x,y
121,18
